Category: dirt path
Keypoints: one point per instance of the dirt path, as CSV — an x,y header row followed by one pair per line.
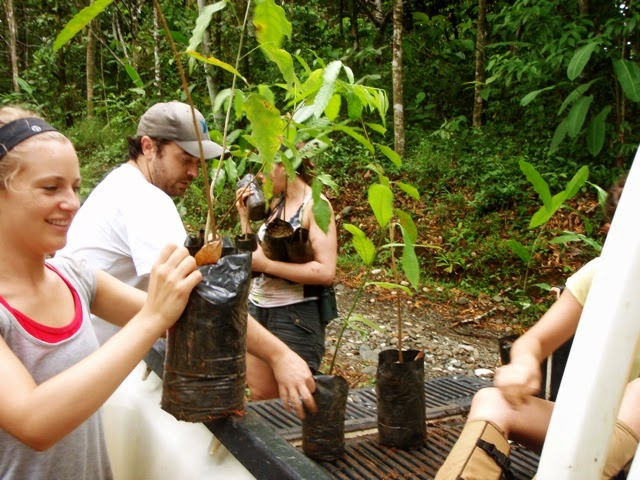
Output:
x,y
453,342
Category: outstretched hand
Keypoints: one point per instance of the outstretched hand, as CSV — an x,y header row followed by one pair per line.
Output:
x,y
173,277
295,384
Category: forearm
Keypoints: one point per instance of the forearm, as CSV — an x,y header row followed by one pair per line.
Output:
x,y
310,273
262,343
56,407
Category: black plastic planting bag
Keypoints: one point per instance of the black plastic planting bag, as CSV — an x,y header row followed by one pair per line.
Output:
x,y
400,395
299,248
276,236
323,432
205,364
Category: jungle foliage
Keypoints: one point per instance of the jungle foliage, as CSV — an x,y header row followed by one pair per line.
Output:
x,y
560,92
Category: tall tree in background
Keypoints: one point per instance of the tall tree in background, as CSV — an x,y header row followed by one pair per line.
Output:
x,y
91,68
479,78
396,72
13,51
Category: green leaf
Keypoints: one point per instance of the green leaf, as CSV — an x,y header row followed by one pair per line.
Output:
x,y
271,23
390,154
79,21
519,250
575,94
576,237
579,60
628,74
283,61
328,181
354,106
363,246
325,93
133,74
216,62
576,183
202,23
539,184
353,134
558,136
530,97
321,209
24,85
391,286
349,74
577,114
376,128
408,227
541,217
409,190
410,265
600,192
381,201
595,131
357,317
221,98
333,107
267,125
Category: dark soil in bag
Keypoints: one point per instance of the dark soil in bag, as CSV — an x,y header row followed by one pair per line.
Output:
x,y
323,432
276,236
400,395
205,364
299,248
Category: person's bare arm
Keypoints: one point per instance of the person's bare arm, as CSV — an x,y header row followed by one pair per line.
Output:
x,y
40,415
115,301
320,271
295,381
521,377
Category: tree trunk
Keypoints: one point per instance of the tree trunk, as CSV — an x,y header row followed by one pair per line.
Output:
x,y
396,71
479,80
206,52
353,28
91,68
157,74
13,50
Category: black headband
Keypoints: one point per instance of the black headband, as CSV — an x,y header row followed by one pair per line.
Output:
x,y
19,130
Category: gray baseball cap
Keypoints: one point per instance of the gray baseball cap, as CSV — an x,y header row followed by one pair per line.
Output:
x,y
173,121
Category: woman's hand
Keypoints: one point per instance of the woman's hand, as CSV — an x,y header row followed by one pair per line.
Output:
x,y
518,381
173,277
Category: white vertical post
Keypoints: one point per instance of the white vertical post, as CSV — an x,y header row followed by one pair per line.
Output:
x,y
605,342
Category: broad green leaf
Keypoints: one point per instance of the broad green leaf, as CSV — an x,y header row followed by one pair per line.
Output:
x,y
576,183
325,93
408,227
271,23
216,62
328,181
628,74
333,107
357,317
349,73
202,23
558,136
230,167
133,74
575,94
267,125
579,60
576,237
601,192
376,128
353,134
519,250
409,190
541,217
577,114
283,61
390,154
79,21
321,209
381,201
539,184
221,98
364,247
304,64
391,286
25,86
238,103
530,97
595,131
410,265
354,106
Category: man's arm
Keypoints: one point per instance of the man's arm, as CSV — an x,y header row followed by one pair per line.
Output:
x,y
295,381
